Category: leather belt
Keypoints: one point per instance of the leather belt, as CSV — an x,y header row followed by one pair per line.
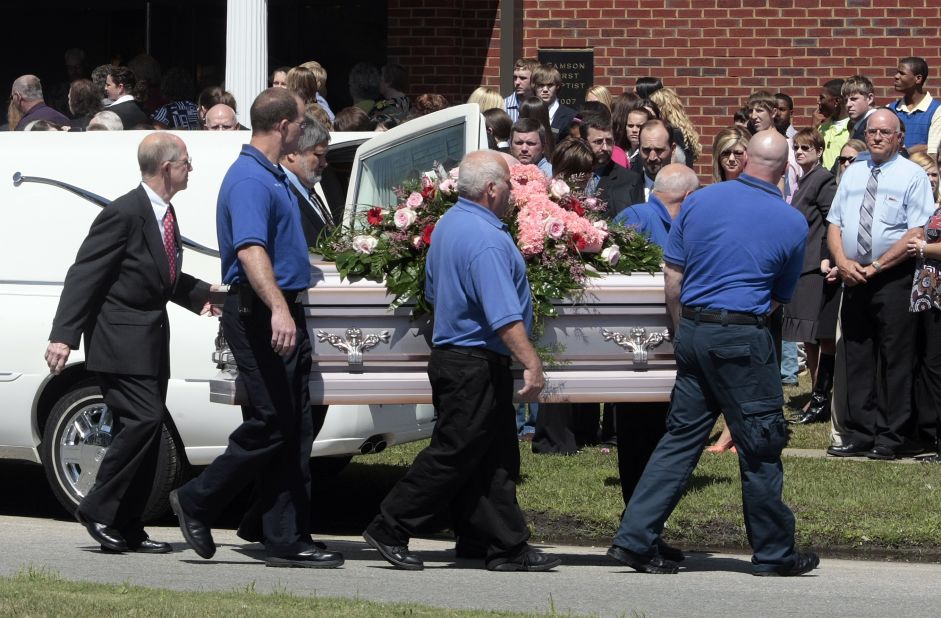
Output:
x,y
723,316
290,296
481,353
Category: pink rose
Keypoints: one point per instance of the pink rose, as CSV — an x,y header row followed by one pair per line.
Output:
x,y
611,255
448,186
404,217
555,228
414,200
453,173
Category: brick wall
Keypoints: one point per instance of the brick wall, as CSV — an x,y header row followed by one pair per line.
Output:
x,y
713,52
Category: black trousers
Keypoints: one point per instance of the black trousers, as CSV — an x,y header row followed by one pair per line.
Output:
x,y
563,428
879,335
639,427
928,376
127,471
471,466
272,445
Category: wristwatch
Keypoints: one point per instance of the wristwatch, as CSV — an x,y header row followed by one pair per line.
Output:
x,y
876,266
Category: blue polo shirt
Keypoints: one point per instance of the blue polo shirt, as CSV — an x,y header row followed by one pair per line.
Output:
x,y
903,201
256,207
475,277
740,246
651,218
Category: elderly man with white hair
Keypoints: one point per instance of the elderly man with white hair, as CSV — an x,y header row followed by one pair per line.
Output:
x,y
26,97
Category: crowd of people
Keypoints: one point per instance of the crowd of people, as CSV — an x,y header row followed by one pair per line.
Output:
x,y
851,264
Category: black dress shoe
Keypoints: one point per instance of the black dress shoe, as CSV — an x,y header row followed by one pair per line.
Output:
x,y
850,449
531,560
673,554
804,563
397,555
882,453
150,546
197,534
109,538
255,536
656,564
311,559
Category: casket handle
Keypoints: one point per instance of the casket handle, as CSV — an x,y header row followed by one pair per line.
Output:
x,y
638,342
355,343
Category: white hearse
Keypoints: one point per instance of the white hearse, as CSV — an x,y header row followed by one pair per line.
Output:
x,y
369,362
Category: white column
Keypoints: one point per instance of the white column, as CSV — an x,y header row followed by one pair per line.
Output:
x,y
246,52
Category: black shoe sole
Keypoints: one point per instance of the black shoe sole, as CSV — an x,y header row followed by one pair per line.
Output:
x,y
288,563
509,567
165,550
807,568
379,547
106,545
642,567
202,552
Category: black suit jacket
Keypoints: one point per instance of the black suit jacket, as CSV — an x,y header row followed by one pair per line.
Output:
x,y
620,187
815,192
562,121
311,222
130,113
116,292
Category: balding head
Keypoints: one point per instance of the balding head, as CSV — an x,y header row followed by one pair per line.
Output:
x,y
28,88
883,135
221,117
767,156
675,182
157,148
484,178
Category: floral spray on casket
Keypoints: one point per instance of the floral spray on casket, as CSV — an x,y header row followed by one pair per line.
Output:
x,y
559,230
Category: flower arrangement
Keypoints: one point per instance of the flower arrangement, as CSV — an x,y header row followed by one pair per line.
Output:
x,y
559,230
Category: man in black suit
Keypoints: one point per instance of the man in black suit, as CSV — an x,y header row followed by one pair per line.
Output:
x,y
119,87
115,294
304,168
618,186
547,82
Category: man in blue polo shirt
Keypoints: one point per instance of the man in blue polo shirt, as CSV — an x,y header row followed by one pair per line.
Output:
x,y
734,253
476,280
654,217
265,262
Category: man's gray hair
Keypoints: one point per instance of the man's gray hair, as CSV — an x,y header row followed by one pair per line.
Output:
x,y
477,170
154,150
105,120
676,179
28,87
313,135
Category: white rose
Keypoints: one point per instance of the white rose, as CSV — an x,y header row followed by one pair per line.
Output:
x,y
404,217
611,255
364,244
601,224
558,188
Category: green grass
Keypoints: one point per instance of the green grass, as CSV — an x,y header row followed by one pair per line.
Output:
x,y
34,592
855,506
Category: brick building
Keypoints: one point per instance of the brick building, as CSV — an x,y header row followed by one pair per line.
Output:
x,y
713,52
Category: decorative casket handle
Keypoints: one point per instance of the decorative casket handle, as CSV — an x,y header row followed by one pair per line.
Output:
x,y
355,343
638,342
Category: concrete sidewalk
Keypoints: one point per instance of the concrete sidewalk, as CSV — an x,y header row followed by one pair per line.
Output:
x,y
588,583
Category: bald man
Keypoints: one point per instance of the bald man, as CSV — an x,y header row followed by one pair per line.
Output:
x,y
655,217
868,241
221,117
26,97
733,255
476,279
115,295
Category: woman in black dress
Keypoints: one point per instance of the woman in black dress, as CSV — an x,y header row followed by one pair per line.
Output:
x,y
815,192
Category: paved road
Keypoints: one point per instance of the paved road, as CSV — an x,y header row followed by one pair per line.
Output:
x,y
587,583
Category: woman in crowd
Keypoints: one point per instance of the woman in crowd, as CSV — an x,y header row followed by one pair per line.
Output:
x,y
814,194
729,153
302,82
848,154
428,103
601,95
926,302
645,86
628,116
563,428
84,103
684,134
486,98
498,129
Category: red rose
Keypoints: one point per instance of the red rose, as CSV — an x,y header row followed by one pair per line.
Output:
x,y
577,208
374,216
428,192
426,234
579,242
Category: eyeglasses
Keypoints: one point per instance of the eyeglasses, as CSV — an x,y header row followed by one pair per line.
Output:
x,y
882,132
845,160
188,162
803,148
728,154
303,124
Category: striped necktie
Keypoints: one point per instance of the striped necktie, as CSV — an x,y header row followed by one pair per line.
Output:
x,y
322,210
864,235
